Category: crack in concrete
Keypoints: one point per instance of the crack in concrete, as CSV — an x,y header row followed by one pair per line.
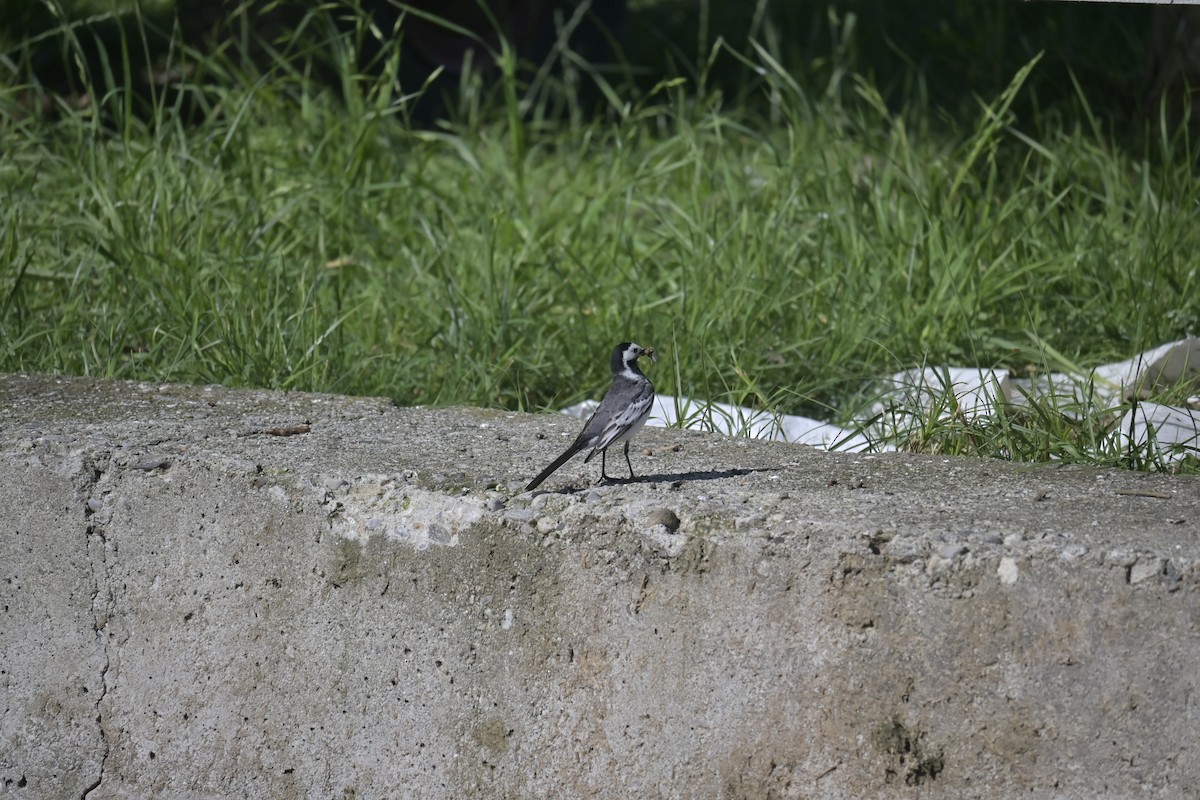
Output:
x,y
96,516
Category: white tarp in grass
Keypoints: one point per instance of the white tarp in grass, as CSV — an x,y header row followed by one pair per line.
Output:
x,y
906,398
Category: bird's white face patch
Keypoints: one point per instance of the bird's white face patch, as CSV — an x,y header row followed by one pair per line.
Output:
x,y
631,354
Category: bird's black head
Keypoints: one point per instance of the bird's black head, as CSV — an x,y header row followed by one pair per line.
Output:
x,y
626,354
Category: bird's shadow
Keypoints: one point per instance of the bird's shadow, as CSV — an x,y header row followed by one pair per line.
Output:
x,y
667,477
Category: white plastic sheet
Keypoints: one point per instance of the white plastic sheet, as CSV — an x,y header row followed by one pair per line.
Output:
x,y
1172,432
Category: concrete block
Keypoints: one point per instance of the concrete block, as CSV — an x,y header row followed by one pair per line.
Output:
x,y
210,593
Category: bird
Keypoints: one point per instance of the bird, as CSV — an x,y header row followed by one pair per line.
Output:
x,y
621,414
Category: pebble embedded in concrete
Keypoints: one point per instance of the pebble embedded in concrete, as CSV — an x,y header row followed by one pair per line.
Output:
x,y
950,551
936,564
1073,552
1145,568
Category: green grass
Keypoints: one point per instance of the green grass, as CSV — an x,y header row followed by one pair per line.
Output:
x,y
253,226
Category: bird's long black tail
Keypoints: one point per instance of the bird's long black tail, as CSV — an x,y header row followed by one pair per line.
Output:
x,y
555,464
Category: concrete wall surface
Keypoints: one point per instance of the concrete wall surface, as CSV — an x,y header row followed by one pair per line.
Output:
x,y
208,593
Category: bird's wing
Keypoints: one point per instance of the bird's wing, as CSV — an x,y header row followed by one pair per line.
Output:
x,y
628,409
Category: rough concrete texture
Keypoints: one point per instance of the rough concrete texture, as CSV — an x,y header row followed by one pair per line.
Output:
x,y
211,593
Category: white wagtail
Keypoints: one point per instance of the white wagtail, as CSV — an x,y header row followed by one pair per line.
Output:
x,y
622,413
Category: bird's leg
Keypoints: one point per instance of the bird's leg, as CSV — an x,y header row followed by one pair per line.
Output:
x,y
628,463
603,471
